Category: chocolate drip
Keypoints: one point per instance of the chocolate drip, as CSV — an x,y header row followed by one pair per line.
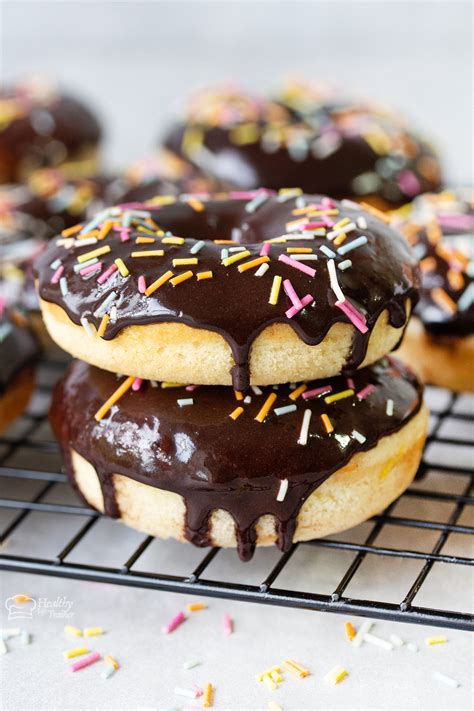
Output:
x,y
214,462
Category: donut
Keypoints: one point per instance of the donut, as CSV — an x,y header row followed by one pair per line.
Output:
x,y
285,464
19,352
243,288
40,127
439,341
306,136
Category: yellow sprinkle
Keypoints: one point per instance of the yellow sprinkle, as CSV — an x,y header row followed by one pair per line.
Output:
x,y
76,652
296,393
235,257
71,230
244,133
103,325
172,240
276,240
192,141
336,675
121,390
296,668
265,409
94,253
350,631
146,230
204,275
273,706
299,250
74,631
253,263
159,282
274,293
93,631
105,229
236,413
122,267
207,698
182,277
148,253
171,385
238,395
185,261
197,205
327,423
436,640
110,660
268,681
338,396
145,240
341,223
195,606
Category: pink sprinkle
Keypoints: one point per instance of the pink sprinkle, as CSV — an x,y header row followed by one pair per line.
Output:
x,y
136,206
3,303
141,284
365,392
328,202
291,293
174,623
137,383
350,383
297,265
85,661
243,195
457,221
57,274
199,692
296,309
409,183
313,225
190,388
108,273
353,315
316,392
265,251
125,233
228,624
91,268
327,221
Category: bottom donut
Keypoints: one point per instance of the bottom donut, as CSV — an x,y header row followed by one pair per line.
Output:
x,y
210,466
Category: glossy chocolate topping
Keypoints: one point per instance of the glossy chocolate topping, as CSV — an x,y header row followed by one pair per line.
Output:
x,y
216,462
382,273
305,137
18,347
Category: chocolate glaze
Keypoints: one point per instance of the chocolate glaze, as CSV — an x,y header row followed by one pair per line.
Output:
x,y
322,142
384,275
215,462
18,347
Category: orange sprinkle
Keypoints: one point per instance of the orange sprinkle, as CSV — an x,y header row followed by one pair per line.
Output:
x,y
428,264
152,223
144,240
238,395
444,300
236,413
105,229
110,660
265,409
121,390
340,238
197,205
253,263
327,423
71,230
86,235
374,211
433,232
182,277
207,698
159,282
204,275
303,210
350,631
103,325
299,250
195,606
225,241
296,393
456,279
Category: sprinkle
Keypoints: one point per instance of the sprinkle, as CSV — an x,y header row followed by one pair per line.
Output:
x,y
165,385
113,314
188,693
73,631
109,671
108,301
334,282
247,399
253,263
71,230
121,390
282,490
94,657
364,629
273,706
291,293
327,423
108,273
88,328
185,262
358,436
336,675
105,229
299,391
174,623
352,245
103,325
443,300
200,276
110,660
377,213
345,264
191,663
389,407
76,652
396,640
93,631
256,390
303,437
258,200
362,223
122,267
197,205
137,383
296,668
148,253
328,252
207,697
436,640
95,253
305,301
236,413
285,194
181,277
57,274
412,647
141,284
284,410
340,231
224,254
227,261
25,638
448,680
265,409
197,247
227,624
91,268
185,401
159,282
467,298
301,267
338,396
365,392
317,392
355,316
378,641
305,257
265,251
3,647
350,631
195,606
275,291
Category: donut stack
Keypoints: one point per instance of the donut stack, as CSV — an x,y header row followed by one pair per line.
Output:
x,y
233,386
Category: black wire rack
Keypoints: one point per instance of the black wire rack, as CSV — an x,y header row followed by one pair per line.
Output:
x,y
30,459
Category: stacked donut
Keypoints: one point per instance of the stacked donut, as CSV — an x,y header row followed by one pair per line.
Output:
x,y
234,387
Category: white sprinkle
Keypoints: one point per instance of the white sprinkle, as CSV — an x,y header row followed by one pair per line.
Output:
x,y
88,328
362,223
359,242
85,242
345,264
257,201
237,249
262,269
350,203
247,399
3,647
412,647
328,252
378,641
197,247
364,629
307,235
343,439
113,314
153,383
282,490
341,230
304,257
224,253
389,408
466,298
303,438
358,436
8,632
300,202
396,640
56,264
256,390
100,311
191,663
110,671
448,680
188,693
77,267
284,410
63,286
183,402
334,282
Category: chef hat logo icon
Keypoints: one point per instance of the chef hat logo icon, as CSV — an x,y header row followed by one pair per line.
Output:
x,y
20,607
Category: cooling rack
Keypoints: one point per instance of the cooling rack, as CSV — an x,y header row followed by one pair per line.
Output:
x,y
42,503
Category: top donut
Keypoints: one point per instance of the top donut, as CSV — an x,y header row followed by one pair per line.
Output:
x,y
243,287
308,137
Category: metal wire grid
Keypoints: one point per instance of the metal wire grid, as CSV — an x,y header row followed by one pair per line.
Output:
x,y
195,582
